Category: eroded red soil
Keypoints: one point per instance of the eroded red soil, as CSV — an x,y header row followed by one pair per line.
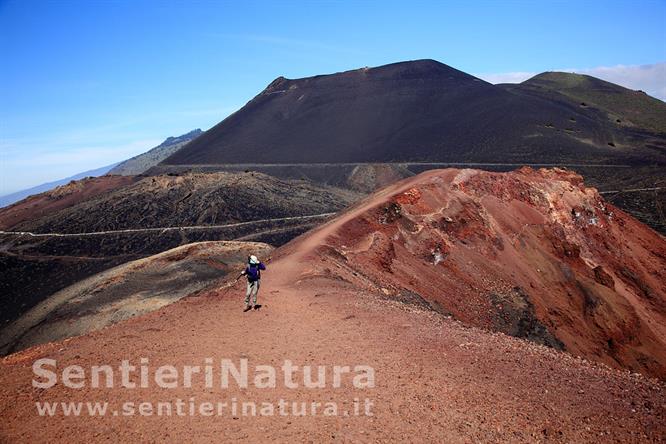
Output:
x,y
530,253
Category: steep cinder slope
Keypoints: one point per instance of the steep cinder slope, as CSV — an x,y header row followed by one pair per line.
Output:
x,y
533,254
411,111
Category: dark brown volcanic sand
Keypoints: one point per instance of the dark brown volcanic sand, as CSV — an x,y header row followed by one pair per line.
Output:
x,y
416,111
436,379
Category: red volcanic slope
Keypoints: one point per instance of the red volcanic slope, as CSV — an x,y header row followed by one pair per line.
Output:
x,y
436,379
34,207
534,254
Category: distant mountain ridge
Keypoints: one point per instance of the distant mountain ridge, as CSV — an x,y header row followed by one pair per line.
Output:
x,y
139,164
130,167
20,195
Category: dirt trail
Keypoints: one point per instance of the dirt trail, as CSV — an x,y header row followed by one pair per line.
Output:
x,y
435,380
317,237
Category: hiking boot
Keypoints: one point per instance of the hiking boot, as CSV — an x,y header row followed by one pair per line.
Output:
x,y
257,306
247,308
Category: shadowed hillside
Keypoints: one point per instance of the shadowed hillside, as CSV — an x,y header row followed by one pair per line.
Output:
x,y
141,163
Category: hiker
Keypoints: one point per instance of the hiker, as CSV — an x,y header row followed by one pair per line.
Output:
x,y
253,274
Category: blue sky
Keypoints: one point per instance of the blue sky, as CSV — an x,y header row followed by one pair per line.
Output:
x,y
88,83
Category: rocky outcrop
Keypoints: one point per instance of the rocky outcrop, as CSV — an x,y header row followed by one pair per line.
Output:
x,y
531,253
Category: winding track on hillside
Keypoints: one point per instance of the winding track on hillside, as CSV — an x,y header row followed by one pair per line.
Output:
x,y
165,229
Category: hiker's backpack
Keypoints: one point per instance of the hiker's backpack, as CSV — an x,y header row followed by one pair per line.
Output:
x,y
252,272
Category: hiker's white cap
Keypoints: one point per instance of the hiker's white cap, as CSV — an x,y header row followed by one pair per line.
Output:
x,y
254,260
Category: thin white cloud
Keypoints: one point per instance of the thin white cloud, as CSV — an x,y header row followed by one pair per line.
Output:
x,y
648,78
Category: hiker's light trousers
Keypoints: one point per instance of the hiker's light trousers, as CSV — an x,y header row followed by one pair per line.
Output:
x,y
252,290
